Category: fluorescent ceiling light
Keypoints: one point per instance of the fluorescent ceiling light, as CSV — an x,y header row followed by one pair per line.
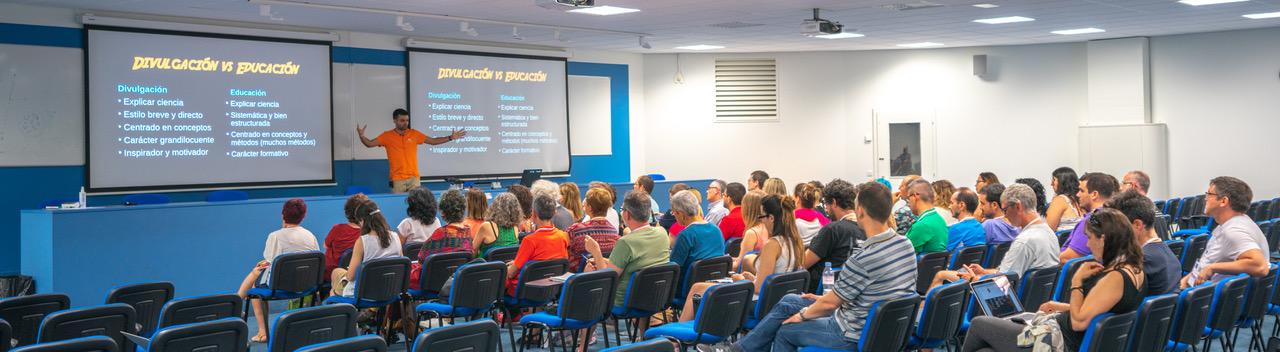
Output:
x,y
604,10
699,47
1258,16
1003,20
986,6
1207,2
1079,31
920,45
840,35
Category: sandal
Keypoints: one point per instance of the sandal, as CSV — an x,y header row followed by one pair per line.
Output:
x,y
258,339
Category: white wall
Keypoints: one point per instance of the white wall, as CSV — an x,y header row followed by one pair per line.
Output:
x,y
1220,95
1018,122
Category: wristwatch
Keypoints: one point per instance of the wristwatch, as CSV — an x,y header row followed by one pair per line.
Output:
x,y
801,314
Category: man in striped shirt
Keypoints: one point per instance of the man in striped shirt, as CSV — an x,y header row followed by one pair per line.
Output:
x,y
882,268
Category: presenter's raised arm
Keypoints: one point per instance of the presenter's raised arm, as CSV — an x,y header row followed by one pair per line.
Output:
x,y
367,142
446,139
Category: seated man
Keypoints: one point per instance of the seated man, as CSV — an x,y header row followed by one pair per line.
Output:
x,y
1036,247
834,241
998,230
644,247
1237,245
883,268
1095,189
1163,269
697,241
928,233
968,231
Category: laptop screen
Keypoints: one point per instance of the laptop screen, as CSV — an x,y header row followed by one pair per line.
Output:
x,y
996,297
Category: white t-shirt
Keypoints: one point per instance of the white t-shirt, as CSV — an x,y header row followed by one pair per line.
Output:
x,y
1231,239
415,231
288,240
612,217
373,250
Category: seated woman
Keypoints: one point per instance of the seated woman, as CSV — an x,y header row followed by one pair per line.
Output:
x,y
376,242
525,196
808,219
477,207
290,238
1115,285
455,236
500,230
422,221
342,237
597,228
1064,210
545,243
782,253
754,237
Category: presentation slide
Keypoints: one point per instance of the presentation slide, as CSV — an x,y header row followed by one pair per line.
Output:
x,y
171,110
514,109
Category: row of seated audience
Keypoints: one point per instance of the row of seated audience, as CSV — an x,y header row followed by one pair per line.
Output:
x,y
875,235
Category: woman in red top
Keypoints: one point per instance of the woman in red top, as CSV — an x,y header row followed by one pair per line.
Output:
x,y
342,237
545,243
597,227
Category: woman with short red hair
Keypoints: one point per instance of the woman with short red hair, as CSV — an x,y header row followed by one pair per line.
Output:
x,y
290,238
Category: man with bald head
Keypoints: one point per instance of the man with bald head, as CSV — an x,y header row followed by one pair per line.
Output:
x,y
929,232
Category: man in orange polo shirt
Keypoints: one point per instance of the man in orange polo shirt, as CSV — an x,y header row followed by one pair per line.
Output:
x,y
402,149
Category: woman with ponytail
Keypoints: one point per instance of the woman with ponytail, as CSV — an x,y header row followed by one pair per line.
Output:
x,y
783,251
808,219
376,241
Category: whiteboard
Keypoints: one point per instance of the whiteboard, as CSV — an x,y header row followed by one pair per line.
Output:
x,y
41,105
590,116
1118,149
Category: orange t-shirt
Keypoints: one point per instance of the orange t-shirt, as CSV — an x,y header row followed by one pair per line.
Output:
x,y
543,244
402,152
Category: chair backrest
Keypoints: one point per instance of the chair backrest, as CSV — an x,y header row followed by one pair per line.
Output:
x,y
411,250
942,312
1228,302
995,254
353,190
344,260
297,271
478,285
437,268
1192,314
928,265
477,336
1273,234
382,280
724,308
706,269
1275,209
1108,332
364,343
1037,287
226,195
308,326
25,313
1152,323
1260,293
502,254
1062,294
1192,250
733,247
107,320
588,296
888,323
1252,212
145,199
83,344
535,270
777,285
651,345
200,309
1161,225
1171,206
968,255
650,288
1177,247
6,336
147,299
227,334
1063,236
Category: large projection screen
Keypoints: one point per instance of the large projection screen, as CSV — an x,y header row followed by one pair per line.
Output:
x,y
171,110
514,108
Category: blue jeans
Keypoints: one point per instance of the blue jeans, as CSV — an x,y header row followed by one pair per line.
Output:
x,y
771,334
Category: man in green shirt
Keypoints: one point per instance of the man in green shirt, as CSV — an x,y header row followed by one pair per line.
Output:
x,y
644,247
929,232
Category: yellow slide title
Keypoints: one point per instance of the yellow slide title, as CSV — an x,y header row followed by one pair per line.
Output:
x,y
211,65
487,74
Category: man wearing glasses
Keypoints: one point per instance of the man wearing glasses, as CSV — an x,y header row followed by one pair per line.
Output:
x,y
1237,245
716,209
1136,180
1036,246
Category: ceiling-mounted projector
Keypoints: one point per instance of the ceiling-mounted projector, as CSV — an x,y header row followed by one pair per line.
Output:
x,y
817,26
561,4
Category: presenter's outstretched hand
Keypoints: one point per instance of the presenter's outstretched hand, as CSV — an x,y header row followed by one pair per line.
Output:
x,y
458,134
360,130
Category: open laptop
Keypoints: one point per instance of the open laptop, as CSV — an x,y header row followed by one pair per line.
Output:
x,y
530,175
996,298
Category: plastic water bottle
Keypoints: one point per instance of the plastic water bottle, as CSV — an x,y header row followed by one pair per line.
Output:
x,y
84,199
828,277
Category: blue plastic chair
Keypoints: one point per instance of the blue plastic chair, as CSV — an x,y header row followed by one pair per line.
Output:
x,y
1108,332
1192,250
25,313
107,320
1062,294
83,344
146,199
354,190
1228,302
650,345
228,195
476,289
887,326
363,343
648,292
658,177
724,308
147,300
1190,317
387,279
228,334
313,325
200,309
1037,287
477,336
1255,308
943,311
1152,322
293,275
584,301
772,290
